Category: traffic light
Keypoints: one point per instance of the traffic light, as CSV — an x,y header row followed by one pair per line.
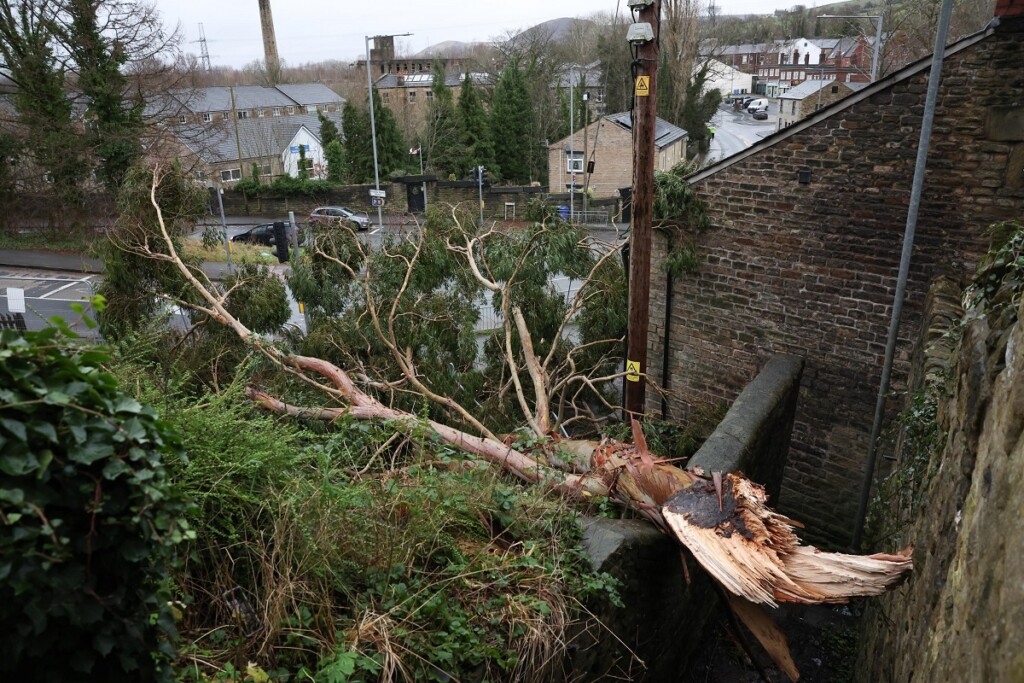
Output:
x,y
483,174
280,242
473,174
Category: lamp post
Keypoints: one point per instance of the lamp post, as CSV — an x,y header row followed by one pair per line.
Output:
x,y
373,124
878,36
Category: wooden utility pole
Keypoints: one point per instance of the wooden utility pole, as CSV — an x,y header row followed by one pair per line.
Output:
x,y
644,117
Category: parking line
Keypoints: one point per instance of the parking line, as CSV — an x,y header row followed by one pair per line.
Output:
x,y
61,289
374,232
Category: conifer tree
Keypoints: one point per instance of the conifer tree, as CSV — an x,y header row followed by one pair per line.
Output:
x,y
358,152
477,145
512,124
328,131
391,150
443,144
334,154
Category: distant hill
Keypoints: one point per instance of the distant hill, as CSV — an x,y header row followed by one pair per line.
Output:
x,y
553,29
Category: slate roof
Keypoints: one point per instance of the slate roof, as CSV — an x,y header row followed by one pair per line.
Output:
x,y
576,74
805,89
310,93
258,137
665,133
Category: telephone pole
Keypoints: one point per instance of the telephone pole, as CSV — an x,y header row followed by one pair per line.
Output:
x,y
644,117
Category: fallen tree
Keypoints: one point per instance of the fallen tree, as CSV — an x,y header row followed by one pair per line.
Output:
x,y
750,550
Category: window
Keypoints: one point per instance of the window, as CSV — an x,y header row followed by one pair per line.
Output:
x,y
430,94
412,95
200,175
792,107
291,110
264,169
328,107
835,89
573,162
207,117
182,119
310,108
243,114
276,111
225,115
260,113
807,58
231,174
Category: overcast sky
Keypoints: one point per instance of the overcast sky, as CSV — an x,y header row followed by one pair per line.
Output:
x,y
316,30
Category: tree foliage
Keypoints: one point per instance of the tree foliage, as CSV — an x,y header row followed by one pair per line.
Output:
x,y
90,520
392,153
477,141
512,125
357,145
444,151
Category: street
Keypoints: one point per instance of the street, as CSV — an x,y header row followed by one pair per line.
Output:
x,y
738,130
50,293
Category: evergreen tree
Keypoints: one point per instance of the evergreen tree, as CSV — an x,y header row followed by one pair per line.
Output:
x,y
303,170
328,131
512,124
358,153
392,153
443,144
114,135
334,154
41,100
698,108
477,145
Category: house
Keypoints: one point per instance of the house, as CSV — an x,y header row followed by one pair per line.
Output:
x,y
849,61
810,96
747,57
793,62
590,79
726,79
608,142
408,95
216,104
225,154
802,257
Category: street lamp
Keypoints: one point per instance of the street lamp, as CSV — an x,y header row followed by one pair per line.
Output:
x,y
373,124
878,36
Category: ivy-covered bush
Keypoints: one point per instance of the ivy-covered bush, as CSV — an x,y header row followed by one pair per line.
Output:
x,y
88,519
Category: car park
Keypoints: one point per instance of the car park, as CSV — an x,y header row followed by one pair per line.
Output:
x,y
340,214
261,234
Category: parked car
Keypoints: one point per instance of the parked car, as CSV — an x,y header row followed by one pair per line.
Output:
x,y
262,234
747,101
325,214
760,114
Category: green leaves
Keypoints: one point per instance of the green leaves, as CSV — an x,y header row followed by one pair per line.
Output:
x,y
88,519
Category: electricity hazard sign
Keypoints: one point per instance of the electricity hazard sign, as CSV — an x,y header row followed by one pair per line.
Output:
x,y
633,370
643,86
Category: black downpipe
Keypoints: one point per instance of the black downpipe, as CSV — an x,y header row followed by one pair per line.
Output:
x,y
665,377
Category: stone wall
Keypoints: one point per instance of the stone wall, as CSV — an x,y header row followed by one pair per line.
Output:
x,y
960,617
653,635
810,268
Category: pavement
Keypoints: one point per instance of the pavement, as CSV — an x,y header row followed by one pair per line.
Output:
x,y
77,263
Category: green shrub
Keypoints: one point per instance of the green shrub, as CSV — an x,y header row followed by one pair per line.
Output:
x,y
89,519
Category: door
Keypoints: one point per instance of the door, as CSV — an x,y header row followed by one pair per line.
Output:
x,y
415,198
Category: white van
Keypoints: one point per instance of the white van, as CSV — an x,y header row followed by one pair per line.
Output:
x,y
757,105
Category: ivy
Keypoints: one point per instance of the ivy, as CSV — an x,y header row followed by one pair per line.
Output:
x,y
88,519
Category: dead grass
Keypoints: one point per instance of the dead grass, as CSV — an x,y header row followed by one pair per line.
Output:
x,y
251,253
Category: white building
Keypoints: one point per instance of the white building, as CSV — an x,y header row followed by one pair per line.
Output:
x,y
727,80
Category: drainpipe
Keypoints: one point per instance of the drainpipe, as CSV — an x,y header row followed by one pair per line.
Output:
x,y
908,246
665,377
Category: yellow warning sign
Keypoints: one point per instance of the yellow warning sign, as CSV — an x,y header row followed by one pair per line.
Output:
x,y
643,86
633,370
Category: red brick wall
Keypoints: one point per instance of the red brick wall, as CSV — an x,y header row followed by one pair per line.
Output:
x,y
811,269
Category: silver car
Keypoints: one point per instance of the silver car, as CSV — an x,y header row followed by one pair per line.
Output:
x,y
326,214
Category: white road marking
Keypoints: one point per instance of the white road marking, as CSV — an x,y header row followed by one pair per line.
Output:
x,y
61,289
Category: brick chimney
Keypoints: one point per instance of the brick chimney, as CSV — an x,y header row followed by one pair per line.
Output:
x,y
1009,9
273,63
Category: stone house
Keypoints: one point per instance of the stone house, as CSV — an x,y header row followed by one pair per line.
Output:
x,y
408,96
608,142
810,96
218,104
803,252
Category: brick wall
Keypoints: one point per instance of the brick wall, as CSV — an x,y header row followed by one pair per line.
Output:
x,y
811,269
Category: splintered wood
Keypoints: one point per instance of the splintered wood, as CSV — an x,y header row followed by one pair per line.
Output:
x,y
754,553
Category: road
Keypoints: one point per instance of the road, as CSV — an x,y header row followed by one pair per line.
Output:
x,y
50,293
738,130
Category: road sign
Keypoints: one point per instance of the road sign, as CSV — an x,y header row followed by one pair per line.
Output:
x,y
643,86
633,370
378,193
376,201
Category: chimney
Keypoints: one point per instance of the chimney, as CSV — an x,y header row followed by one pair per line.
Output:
x,y
273,63
1006,9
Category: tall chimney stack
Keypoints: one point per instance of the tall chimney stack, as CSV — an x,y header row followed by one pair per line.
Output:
x,y
273,63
